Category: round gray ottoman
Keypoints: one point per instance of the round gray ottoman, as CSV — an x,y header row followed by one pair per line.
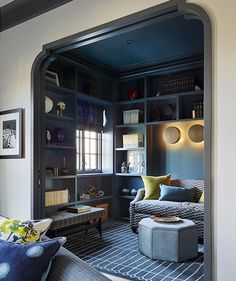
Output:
x,y
168,241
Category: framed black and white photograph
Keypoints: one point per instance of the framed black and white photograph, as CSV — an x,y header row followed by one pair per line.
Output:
x,y
11,133
52,77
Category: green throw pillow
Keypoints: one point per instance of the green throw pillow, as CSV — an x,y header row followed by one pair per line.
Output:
x,y
201,200
152,186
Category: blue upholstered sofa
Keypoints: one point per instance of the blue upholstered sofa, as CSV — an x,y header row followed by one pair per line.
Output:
x,y
68,267
194,211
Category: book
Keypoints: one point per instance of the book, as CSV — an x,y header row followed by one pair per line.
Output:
x,y
79,209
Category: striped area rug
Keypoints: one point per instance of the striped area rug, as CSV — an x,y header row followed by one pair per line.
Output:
x,y
117,254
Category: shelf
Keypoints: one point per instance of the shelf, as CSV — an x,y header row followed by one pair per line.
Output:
x,y
54,146
129,197
176,120
128,102
95,199
172,96
56,117
129,148
58,89
60,177
192,93
87,98
130,125
189,119
128,175
94,175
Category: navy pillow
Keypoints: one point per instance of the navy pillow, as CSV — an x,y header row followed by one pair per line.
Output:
x,y
175,193
27,262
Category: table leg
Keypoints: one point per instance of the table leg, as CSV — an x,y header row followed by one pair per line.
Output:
x,y
99,226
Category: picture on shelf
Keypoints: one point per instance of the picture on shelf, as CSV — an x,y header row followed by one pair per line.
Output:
x,y
11,133
52,77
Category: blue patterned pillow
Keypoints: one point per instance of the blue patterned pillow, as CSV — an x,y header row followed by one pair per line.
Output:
x,y
175,193
29,262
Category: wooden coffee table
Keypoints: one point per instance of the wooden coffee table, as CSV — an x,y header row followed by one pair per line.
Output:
x,y
65,223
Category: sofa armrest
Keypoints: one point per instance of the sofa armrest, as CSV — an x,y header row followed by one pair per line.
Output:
x,y
139,196
68,267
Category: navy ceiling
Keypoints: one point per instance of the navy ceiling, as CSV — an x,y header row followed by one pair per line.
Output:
x,y
172,39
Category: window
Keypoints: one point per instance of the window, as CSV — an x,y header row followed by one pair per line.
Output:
x,y
89,151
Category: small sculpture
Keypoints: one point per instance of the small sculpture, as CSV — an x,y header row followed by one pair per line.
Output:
x,y
48,137
65,170
132,94
133,191
123,168
61,106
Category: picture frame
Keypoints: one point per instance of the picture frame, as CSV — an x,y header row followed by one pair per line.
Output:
x,y
11,134
52,77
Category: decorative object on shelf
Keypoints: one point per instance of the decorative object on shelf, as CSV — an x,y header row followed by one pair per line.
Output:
x,y
197,88
133,191
171,135
48,137
169,110
142,168
133,140
123,168
132,94
56,197
198,109
91,192
61,106
128,168
52,77
58,135
11,134
48,104
173,86
125,191
196,133
135,159
156,114
55,172
49,171
64,170
133,116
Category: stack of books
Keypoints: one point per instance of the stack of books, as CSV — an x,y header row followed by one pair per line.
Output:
x,y
79,209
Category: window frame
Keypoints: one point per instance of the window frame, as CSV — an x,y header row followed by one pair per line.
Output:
x,y
80,146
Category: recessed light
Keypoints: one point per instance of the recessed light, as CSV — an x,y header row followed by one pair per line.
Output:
x,y
130,41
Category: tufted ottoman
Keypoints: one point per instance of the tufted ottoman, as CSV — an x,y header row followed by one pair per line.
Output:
x,y
168,241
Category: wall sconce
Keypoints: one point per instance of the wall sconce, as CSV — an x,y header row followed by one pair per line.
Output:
x,y
171,135
196,133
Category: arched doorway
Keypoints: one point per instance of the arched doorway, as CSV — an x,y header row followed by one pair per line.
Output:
x,y
132,22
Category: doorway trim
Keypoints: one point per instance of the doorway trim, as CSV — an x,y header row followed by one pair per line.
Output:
x,y
113,28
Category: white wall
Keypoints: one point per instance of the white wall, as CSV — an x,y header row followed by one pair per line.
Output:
x,y
20,45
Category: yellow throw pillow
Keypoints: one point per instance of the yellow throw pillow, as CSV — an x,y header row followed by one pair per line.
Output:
x,y
201,200
152,186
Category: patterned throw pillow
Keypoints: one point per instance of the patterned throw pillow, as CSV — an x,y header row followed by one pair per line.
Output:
x,y
14,230
30,262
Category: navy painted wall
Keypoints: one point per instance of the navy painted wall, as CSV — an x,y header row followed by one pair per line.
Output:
x,y
184,159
